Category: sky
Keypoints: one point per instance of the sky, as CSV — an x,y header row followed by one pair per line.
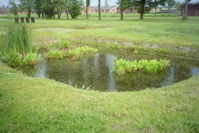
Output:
x,y
93,2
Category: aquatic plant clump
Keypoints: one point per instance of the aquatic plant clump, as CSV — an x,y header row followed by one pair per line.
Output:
x,y
71,54
16,59
79,52
63,44
55,54
123,66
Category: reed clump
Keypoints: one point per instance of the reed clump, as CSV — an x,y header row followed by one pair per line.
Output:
x,y
17,49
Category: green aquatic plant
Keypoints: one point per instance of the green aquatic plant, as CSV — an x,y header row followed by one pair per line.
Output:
x,y
79,52
63,44
123,66
55,54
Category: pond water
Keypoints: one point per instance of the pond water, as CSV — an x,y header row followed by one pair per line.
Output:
x,y
95,72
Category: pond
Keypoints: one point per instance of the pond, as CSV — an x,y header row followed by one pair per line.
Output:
x,y
95,72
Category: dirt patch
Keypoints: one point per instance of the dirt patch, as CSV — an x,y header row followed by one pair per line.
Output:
x,y
3,19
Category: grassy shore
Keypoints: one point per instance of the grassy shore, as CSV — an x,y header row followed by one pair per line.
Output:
x,y
43,105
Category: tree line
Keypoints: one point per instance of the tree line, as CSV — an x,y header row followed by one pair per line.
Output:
x,y
73,8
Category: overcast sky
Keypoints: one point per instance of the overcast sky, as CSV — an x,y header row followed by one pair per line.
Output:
x,y
93,2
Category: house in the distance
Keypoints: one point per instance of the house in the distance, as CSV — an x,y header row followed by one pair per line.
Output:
x,y
130,10
193,10
103,9
4,10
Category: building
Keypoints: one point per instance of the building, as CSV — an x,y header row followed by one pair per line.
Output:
x,y
103,9
193,10
130,10
4,10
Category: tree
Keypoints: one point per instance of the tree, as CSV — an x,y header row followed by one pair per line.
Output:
x,y
171,3
99,9
14,8
59,8
123,5
106,5
27,5
155,5
75,7
178,5
144,6
87,6
185,10
37,7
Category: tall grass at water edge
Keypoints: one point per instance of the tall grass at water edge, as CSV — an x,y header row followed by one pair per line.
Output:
x,y
17,48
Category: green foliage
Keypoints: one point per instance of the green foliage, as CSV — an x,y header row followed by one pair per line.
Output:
x,y
63,44
15,60
17,49
75,8
55,54
18,39
31,59
79,52
14,9
153,66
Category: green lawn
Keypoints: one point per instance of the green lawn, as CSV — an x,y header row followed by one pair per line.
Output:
x,y
41,105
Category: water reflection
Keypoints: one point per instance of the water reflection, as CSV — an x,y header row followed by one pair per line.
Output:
x,y
96,72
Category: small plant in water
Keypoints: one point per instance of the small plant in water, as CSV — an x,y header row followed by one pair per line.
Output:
x,y
79,52
125,66
63,44
55,54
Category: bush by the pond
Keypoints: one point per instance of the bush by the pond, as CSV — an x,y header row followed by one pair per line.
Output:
x,y
17,49
123,66
79,52
55,54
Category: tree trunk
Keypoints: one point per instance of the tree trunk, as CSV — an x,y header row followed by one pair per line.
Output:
x,y
122,15
142,15
39,15
87,17
59,15
168,10
142,9
155,10
185,10
67,14
29,12
42,15
99,9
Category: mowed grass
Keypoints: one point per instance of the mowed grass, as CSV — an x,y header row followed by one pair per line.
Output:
x,y
42,105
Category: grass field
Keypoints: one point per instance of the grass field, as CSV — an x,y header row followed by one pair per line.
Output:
x,y
42,105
